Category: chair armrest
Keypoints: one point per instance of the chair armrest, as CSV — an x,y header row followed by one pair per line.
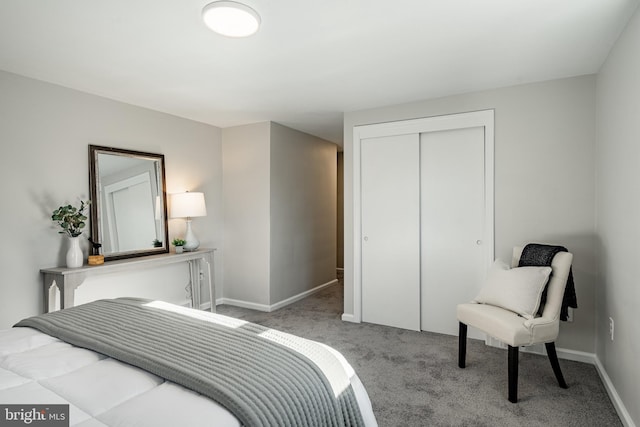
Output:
x,y
539,321
543,329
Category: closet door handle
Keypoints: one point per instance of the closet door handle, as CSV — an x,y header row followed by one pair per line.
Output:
x,y
366,238
478,242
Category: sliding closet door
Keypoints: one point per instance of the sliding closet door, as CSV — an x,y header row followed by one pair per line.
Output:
x,y
452,223
390,197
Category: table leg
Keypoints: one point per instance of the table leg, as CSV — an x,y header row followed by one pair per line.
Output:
x,y
48,281
208,274
194,279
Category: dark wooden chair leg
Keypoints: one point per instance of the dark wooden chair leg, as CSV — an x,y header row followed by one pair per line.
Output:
x,y
513,374
553,358
462,345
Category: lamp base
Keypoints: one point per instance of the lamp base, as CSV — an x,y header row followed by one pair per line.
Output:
x,y
192,243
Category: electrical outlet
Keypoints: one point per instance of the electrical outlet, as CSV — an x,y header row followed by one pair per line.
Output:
x,y
611,327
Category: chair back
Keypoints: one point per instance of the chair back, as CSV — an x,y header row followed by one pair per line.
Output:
x,y
560,267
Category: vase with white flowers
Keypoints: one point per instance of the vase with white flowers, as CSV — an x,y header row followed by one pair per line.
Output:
x,y
72,220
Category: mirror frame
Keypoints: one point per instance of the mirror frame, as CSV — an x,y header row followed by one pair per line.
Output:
x,y
95,207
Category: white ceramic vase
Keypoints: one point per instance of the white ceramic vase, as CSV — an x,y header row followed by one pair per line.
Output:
x,y
74,253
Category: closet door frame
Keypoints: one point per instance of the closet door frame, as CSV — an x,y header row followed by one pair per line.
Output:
x,y
483,118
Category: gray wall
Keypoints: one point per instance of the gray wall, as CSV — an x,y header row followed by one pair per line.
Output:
x,y
303,212
279,213
544,177
618,215
246,184
340,243
45,131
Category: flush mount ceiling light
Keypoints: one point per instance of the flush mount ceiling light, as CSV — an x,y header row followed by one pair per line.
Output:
x,y
231,19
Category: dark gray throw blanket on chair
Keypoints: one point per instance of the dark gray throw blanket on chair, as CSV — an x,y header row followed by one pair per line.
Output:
x,y
263,377
535,255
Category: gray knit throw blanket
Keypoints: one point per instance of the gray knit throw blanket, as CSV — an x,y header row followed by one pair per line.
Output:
x,y
535,254
263,377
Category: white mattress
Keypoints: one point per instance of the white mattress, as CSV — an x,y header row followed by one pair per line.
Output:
x,y
38,369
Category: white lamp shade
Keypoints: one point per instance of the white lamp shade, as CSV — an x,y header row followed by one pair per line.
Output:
x,y
188,205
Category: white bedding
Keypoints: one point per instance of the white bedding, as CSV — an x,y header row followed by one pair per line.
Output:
x,y
38,369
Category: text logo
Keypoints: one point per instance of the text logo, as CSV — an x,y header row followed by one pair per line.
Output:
x,y
34,415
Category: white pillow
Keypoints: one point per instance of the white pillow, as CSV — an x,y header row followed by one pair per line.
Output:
x,y
517,289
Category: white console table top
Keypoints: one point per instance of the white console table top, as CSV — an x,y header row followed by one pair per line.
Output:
x,y
67,280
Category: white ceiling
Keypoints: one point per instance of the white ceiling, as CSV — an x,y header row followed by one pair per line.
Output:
x,y
311,60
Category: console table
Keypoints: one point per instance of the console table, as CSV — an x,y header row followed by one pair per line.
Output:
x,y
67,280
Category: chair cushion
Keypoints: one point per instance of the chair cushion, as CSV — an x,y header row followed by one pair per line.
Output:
x,y
506,325
502,324
517,289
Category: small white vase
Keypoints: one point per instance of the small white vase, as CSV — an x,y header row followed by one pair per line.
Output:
x,y
74,253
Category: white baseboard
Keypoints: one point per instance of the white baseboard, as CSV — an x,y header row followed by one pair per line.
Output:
x,y
278,305
349,318
243,304
576,356
592,359
624,415
302,295
563,353
187,303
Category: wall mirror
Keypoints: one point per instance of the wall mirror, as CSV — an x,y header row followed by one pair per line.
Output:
x,y
128,202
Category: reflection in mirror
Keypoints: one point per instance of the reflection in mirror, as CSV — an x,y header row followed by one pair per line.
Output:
x,y
128,202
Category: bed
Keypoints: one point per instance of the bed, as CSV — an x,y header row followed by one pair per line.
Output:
x,y
127,361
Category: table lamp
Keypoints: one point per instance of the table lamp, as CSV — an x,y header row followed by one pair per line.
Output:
x,y
188,205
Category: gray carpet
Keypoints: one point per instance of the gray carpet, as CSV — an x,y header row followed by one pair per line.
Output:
x,y
413,379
